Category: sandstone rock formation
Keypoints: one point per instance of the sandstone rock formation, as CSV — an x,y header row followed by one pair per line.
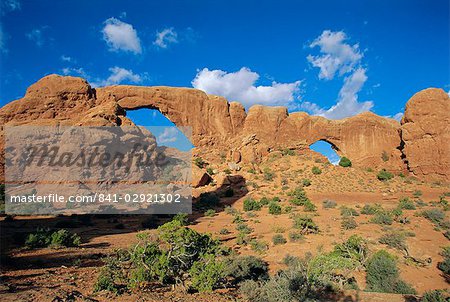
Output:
x,y
426,134
220,128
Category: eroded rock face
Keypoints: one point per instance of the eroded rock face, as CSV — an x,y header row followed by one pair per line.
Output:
x,y
426,134
220,127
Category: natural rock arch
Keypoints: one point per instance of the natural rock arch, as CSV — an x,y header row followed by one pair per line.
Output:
x,y
218,125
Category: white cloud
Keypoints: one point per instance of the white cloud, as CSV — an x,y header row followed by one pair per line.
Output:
x,y
165,37
121,36
66,58
169,135
119,75
75,72
36,35
398,116
240,86
347,103
336,55
11,5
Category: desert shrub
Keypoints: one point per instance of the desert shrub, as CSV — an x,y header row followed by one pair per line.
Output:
x,y
444,266
345,162
230,210
355,248
308,279
199,162
434,215
45,238
348,212
264,201
371,209
242,268
417,193
183,218
287,151
329,204
227,171
251,205
295,236
309,207
278,239
259,245
110,276
276,199
210,171
210,213
382,217
384,156
395,240
224,231
383,275
299,197
348,223
237,218
268,174
316,170
244,228
206,273
306,182
305,224
434,296
274,208
384,175
406,204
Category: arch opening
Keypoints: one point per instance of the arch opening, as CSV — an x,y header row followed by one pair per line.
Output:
x,y
327,149
166,132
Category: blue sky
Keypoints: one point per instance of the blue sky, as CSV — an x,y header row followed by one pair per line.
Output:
x,y
332,58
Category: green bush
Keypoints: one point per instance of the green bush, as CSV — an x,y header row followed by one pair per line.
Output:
x,y
348,212
199,162
264,201
45,238
63,238
244,228
309,207
210,171
355,248
274,208
278,239
305,224
345,162
251,205
299,196
434,296
371,209
382,217
306,182
395,240
206,274
242,268
348,223
259,245
183,218
384,175
436,216
295,236
316,170
406,204
268,174
444,266
382,275
210,213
